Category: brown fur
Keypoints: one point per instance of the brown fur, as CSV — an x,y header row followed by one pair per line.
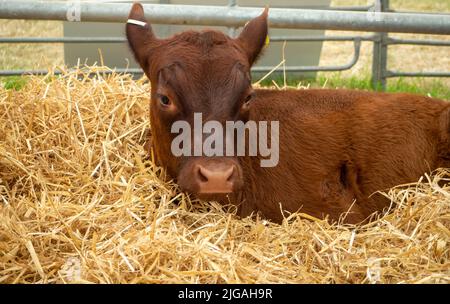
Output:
x,y
337,147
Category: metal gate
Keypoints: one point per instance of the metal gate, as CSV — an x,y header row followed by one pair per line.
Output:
x,y
377,18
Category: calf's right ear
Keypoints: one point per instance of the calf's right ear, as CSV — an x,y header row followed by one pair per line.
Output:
x,y
140,36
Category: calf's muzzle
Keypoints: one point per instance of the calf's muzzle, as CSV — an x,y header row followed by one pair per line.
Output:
x,y
206,177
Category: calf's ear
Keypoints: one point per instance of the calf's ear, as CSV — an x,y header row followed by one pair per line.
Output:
x,y
140,36
253,36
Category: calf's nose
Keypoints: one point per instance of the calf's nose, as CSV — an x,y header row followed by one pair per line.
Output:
x,y
215,179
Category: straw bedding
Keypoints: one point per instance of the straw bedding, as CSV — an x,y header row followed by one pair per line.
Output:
x,y
81,202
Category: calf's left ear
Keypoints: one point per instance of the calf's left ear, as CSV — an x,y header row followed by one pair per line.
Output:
x,y
253,36
140,36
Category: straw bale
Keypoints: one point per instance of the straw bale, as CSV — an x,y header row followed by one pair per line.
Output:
x,y
80,202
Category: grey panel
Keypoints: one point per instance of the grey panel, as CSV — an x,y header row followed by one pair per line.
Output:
x,y
118,55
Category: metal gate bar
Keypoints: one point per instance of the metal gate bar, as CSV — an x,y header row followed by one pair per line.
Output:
x,y
123,39
351,63
234,16
419,42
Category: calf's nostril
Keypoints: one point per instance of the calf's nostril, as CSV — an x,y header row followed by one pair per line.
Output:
x,y
230,174
202,174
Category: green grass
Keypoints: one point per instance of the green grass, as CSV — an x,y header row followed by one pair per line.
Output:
x,y
18,82
431,87
13,82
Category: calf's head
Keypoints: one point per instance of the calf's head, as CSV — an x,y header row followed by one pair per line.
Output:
x,y
197,72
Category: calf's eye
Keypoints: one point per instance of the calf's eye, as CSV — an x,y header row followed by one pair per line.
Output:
x,y
248,98
164,100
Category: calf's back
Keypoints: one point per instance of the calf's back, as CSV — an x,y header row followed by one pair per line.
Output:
x,y
339,147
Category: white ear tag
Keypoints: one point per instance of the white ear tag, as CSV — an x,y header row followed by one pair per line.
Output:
x,y
137,22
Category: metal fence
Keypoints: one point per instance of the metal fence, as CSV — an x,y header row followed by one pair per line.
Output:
x,y
377,18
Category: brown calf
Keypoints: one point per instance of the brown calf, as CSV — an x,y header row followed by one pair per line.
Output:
x,y
336,147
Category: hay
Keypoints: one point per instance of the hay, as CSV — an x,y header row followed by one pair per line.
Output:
x,y
79,202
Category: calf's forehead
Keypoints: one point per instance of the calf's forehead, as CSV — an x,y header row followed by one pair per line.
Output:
x,y
204,79
198,53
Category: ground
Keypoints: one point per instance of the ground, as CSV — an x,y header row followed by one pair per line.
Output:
x,y
404,58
